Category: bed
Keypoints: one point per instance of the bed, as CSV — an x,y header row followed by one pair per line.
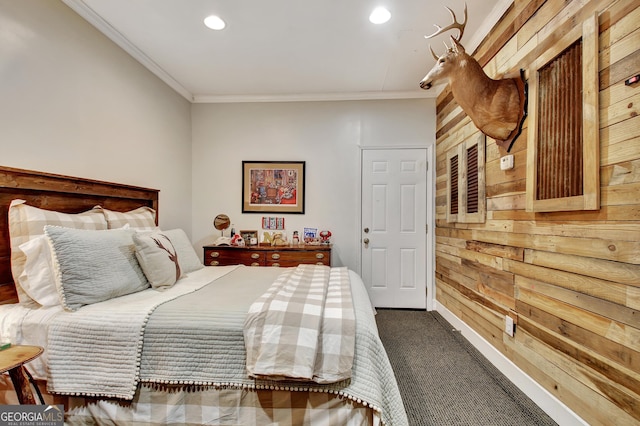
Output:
x,y
176,353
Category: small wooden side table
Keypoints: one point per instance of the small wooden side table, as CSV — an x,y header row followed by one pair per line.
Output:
x,y
12,360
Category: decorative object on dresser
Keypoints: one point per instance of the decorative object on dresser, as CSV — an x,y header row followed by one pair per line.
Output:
x,y
311,236
273,187
222,222
250,237
273,223
325,236
267,256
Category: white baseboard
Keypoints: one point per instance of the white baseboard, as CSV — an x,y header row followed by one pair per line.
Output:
x,y
551,405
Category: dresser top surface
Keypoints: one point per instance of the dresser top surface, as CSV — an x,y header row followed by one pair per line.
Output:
x,y
306,247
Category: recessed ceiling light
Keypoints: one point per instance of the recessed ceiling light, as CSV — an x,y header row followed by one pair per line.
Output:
x,y
380,15
214,22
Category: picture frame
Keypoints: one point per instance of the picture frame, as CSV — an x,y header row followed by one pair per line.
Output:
x,y
248,235
273,187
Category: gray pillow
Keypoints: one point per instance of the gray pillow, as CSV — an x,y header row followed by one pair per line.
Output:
x,y
94,266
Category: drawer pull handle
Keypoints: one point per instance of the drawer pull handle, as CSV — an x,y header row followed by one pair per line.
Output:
x,y
275,256
319,263
255,255
275,265
214,263
215,254
255,264
319,255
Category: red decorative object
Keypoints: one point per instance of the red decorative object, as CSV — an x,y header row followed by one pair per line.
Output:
x,y
325,235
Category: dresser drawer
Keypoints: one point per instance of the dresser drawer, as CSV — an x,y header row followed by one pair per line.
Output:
x,y
267,255
224,256
295,258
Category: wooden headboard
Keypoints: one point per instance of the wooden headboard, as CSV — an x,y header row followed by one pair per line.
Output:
x,y
61,193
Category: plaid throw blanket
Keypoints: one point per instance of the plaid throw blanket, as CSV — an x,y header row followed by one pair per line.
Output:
x,y
303,327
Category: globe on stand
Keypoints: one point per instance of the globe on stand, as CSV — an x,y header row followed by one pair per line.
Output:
x,y
222,222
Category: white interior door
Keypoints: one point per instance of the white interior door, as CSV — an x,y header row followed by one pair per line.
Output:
x,y
394,227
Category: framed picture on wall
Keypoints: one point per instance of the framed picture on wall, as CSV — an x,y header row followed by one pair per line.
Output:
x,y
273,186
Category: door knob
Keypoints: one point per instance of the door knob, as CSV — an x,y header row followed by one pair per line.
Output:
x,y
366,230
365,241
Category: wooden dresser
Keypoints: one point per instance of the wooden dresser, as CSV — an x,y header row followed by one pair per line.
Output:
x,y
267,255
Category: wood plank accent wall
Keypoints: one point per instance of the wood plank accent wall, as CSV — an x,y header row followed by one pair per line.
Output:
x,y
570,279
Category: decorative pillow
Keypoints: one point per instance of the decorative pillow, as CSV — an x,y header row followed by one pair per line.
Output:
x,y
37,278
158,258
187,257
141,218
27,222
94,266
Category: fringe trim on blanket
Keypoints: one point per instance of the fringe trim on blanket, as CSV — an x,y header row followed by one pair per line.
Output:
x,y
203,386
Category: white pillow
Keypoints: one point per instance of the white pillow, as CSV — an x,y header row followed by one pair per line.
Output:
x,y
158,258
27,222
187,257
37,278
143,218
94,266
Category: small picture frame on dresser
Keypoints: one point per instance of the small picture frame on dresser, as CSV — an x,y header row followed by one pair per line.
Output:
x,y
250,237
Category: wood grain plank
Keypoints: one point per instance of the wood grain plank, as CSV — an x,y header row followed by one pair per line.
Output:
x,y
621,173
620,251
580,386
600,325
612,360
618,231
506,252
628,213
620,110
619,272
579,284
617,72
615,311
615,149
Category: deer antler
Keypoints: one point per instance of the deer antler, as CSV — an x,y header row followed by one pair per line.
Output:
x,y
172,256
454,25
436,57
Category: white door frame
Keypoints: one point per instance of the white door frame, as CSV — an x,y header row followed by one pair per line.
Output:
x,y
431,190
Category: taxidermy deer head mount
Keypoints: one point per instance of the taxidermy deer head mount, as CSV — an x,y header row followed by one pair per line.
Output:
x,y
496,107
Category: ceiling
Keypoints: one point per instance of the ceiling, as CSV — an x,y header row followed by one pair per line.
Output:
x,y
286,49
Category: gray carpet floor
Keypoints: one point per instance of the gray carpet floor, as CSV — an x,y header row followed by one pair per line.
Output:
x,y
444,380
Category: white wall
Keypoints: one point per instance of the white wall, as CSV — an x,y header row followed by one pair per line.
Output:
x,y
73,103
327,135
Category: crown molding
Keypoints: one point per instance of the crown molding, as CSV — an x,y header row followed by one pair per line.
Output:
x,y
315,97
88,14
